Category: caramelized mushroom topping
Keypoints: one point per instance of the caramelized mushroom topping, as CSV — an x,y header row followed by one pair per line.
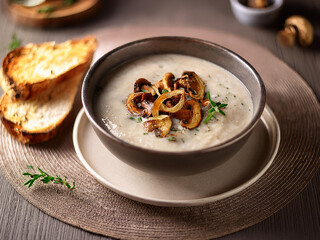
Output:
x,y
174,100
159,106
182,114
140,104
140,83
195,120
143,85
159,85
147,103
167,81
161,125
168,96
205,102
192,83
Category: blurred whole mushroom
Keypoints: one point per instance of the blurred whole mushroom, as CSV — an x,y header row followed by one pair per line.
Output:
x,y
296,28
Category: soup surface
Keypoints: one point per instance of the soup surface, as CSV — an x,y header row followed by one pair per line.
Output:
x,y
223,86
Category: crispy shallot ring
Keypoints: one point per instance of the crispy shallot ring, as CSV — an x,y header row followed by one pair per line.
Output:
x,y
172,101
195,120
161,125
159,106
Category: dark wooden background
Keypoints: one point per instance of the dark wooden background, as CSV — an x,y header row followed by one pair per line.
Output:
x,y
298,220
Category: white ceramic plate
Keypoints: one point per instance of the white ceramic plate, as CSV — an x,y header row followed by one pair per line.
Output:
x,y
231,177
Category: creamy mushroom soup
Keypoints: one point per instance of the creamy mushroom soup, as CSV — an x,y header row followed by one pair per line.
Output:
x,y
223,86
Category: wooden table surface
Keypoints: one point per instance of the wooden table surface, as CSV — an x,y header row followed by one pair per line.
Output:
x,y
298,220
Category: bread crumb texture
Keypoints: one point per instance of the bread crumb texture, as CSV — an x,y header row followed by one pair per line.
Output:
x,y
35,62
44,112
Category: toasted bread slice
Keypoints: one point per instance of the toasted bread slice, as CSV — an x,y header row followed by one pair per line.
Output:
x,y
37,119
34,68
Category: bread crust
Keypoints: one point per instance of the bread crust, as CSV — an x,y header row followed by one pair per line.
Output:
x,y
25,137
15,125
25,89
23,101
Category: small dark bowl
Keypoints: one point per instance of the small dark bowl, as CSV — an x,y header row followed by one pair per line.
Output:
x,y
259,17
155,161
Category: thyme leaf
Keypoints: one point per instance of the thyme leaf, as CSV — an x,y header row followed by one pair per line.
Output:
x,y
15,42
164,91
172,139
46,178
175,130
216,107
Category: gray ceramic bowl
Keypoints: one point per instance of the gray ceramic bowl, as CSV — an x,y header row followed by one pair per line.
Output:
x,y
256,16
182,163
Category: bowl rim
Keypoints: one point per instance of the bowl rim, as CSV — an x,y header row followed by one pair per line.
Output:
x,y
244,132
273,7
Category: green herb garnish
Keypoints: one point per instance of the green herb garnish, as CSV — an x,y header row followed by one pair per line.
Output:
x,y
172,139
46,178
142,90
132,118
49,9
216,107
175,130
139,120
15,42
164,91
69,2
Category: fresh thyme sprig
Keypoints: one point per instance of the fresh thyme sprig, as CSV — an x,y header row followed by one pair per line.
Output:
x,y
15,42
46,178
216,107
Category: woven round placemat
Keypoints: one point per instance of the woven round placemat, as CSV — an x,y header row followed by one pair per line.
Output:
x,y
97,209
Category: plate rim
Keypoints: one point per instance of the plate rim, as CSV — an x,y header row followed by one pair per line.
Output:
x,y
177,203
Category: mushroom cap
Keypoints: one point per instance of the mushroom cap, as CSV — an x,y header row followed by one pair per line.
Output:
x,y
192,83
304,29
140,104
168,81
287,36
161,125
195,120
139,84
